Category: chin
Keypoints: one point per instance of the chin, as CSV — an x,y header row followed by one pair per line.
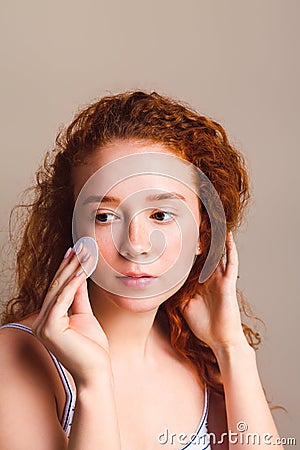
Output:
x,y
140,305
144,304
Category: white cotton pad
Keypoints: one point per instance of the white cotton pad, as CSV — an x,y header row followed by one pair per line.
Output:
x,y
87,246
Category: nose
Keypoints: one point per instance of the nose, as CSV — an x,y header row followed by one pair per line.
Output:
x,y
135,242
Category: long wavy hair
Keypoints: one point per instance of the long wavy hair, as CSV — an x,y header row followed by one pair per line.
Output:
x,y
46,231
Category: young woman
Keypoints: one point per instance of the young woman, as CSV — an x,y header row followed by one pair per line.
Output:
x,y
143,354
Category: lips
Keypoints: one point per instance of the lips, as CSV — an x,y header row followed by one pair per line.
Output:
x,y
137,275
136,280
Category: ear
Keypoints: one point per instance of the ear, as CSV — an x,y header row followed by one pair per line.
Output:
x,y
199,249
204,233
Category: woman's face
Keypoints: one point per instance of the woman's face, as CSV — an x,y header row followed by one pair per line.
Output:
x,y
137,201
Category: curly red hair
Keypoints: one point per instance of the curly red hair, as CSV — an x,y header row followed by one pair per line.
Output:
x,y
135,116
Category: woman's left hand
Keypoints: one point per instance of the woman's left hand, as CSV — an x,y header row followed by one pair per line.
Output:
x,y
213,314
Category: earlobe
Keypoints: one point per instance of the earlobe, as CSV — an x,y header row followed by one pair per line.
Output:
x,y
199,251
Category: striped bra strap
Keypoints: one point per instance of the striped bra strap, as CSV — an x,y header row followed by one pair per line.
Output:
x,y
68,413
199,440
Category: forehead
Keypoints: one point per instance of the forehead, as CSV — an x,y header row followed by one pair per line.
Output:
x,y
149,186
122,168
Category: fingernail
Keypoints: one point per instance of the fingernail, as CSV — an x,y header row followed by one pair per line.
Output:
x,y
68,252
77,248
85,258
79,272
90,247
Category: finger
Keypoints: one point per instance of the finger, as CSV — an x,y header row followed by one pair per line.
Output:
x,y
62,277
66,259
217,274
66,297
81,303
231,269
52,322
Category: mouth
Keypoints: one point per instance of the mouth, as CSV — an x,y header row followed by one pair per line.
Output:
x,y
136,275
136,280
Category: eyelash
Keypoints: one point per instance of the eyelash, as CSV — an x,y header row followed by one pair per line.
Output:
x,y
104,214
172,216
164,212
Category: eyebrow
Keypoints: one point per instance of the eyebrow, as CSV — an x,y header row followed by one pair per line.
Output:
x,y
151,198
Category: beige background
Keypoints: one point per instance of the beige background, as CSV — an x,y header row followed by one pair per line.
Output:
x,y
237,61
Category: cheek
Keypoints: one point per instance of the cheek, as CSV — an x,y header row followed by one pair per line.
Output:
x,y
107,261
173,242
180,248
105,244
186,245
186,235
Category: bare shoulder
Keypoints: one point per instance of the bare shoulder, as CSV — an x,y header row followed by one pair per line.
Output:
x,y
21,349
30,394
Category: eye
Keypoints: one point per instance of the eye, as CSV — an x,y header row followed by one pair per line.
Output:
x,y
105,217
163,216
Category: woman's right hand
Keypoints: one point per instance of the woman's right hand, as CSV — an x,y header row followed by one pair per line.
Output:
x,y
77,340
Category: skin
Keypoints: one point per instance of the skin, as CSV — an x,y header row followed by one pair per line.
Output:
x,y
119,357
